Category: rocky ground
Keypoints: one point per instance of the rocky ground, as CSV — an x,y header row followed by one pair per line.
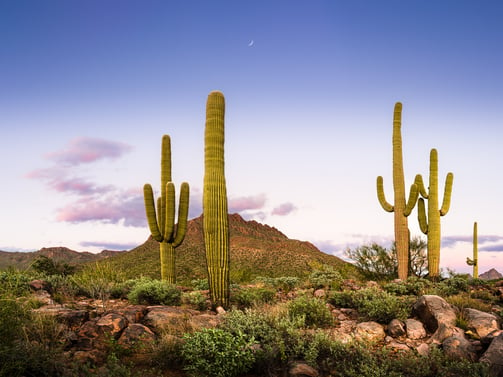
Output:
x,y
89,327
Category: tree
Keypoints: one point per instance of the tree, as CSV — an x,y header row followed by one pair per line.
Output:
x,y
378,263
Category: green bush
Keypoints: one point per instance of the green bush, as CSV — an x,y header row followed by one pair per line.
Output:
x,y
326,278
215,352
155,292
97,280
14,283
314,311
374,304
195,299
412,286
252,296
200,284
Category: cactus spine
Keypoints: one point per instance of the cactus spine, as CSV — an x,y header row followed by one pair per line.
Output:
x,y
162,225
474,262
215,219
430,225
400,208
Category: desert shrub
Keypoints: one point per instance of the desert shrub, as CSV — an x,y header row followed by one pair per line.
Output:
x,y
286,283
200,284
325,278
155,292
195,299
374,261
463,301
14,283
414,286
215,352
98,279
374,304
63,287
252,296
314,311
49,266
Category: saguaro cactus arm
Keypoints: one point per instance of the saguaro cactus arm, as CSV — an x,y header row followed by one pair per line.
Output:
x,y
148,196
421,216
411,202
446,203
183,214
381,197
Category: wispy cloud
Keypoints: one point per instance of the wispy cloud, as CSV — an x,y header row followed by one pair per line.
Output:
x,y
485,242
119,207
85,150
246,203
108,245
92,201
284,209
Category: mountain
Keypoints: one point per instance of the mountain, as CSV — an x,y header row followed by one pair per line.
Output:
x,y
492,274
22,260
256,250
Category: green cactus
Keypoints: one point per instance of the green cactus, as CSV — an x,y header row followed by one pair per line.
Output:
x,y
474,262
162,225
430,225
215,220
400,208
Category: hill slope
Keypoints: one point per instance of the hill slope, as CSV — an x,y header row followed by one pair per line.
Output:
x,y
22,260
256,250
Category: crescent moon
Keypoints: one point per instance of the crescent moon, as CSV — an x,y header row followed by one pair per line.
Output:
x,y
251,43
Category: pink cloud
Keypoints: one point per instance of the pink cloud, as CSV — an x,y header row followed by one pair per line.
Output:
x,y
123,207
85,150
245,203
58,180
284,209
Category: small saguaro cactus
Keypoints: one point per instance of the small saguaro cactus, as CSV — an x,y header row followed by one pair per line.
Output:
x,y
475,261
215,218
430,224
400,208
162,224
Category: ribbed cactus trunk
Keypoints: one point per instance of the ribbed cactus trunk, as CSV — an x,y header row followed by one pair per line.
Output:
x,y
475,261
401,208
215,218
431,225
162,222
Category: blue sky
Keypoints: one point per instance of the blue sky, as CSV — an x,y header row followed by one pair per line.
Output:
x,y
89,87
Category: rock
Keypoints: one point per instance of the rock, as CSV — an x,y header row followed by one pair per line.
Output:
x,y
133,313
220,310
423,349
302,370
136,337
319,293
458,347
369,331
44,297
415,329
112,324
494,357
487,340
396,345
350,313
73,319
38,285
396,328
481,323
433,311
177,321
443,332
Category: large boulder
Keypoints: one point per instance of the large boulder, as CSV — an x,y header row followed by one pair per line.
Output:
x,y
433,311
481,323
494,356
458,347
177,320
136,337
369,331
396,328
415,329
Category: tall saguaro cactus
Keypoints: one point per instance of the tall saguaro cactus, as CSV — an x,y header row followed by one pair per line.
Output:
x,y
215,220
162,224
401,208
430,224
475,261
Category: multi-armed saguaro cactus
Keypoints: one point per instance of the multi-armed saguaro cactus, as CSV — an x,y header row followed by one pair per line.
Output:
x,y
162,224
430,225
474,262
401,208
215,220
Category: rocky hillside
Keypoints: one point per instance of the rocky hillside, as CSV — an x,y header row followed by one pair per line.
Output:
x,y
22,260
256,250
492,274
